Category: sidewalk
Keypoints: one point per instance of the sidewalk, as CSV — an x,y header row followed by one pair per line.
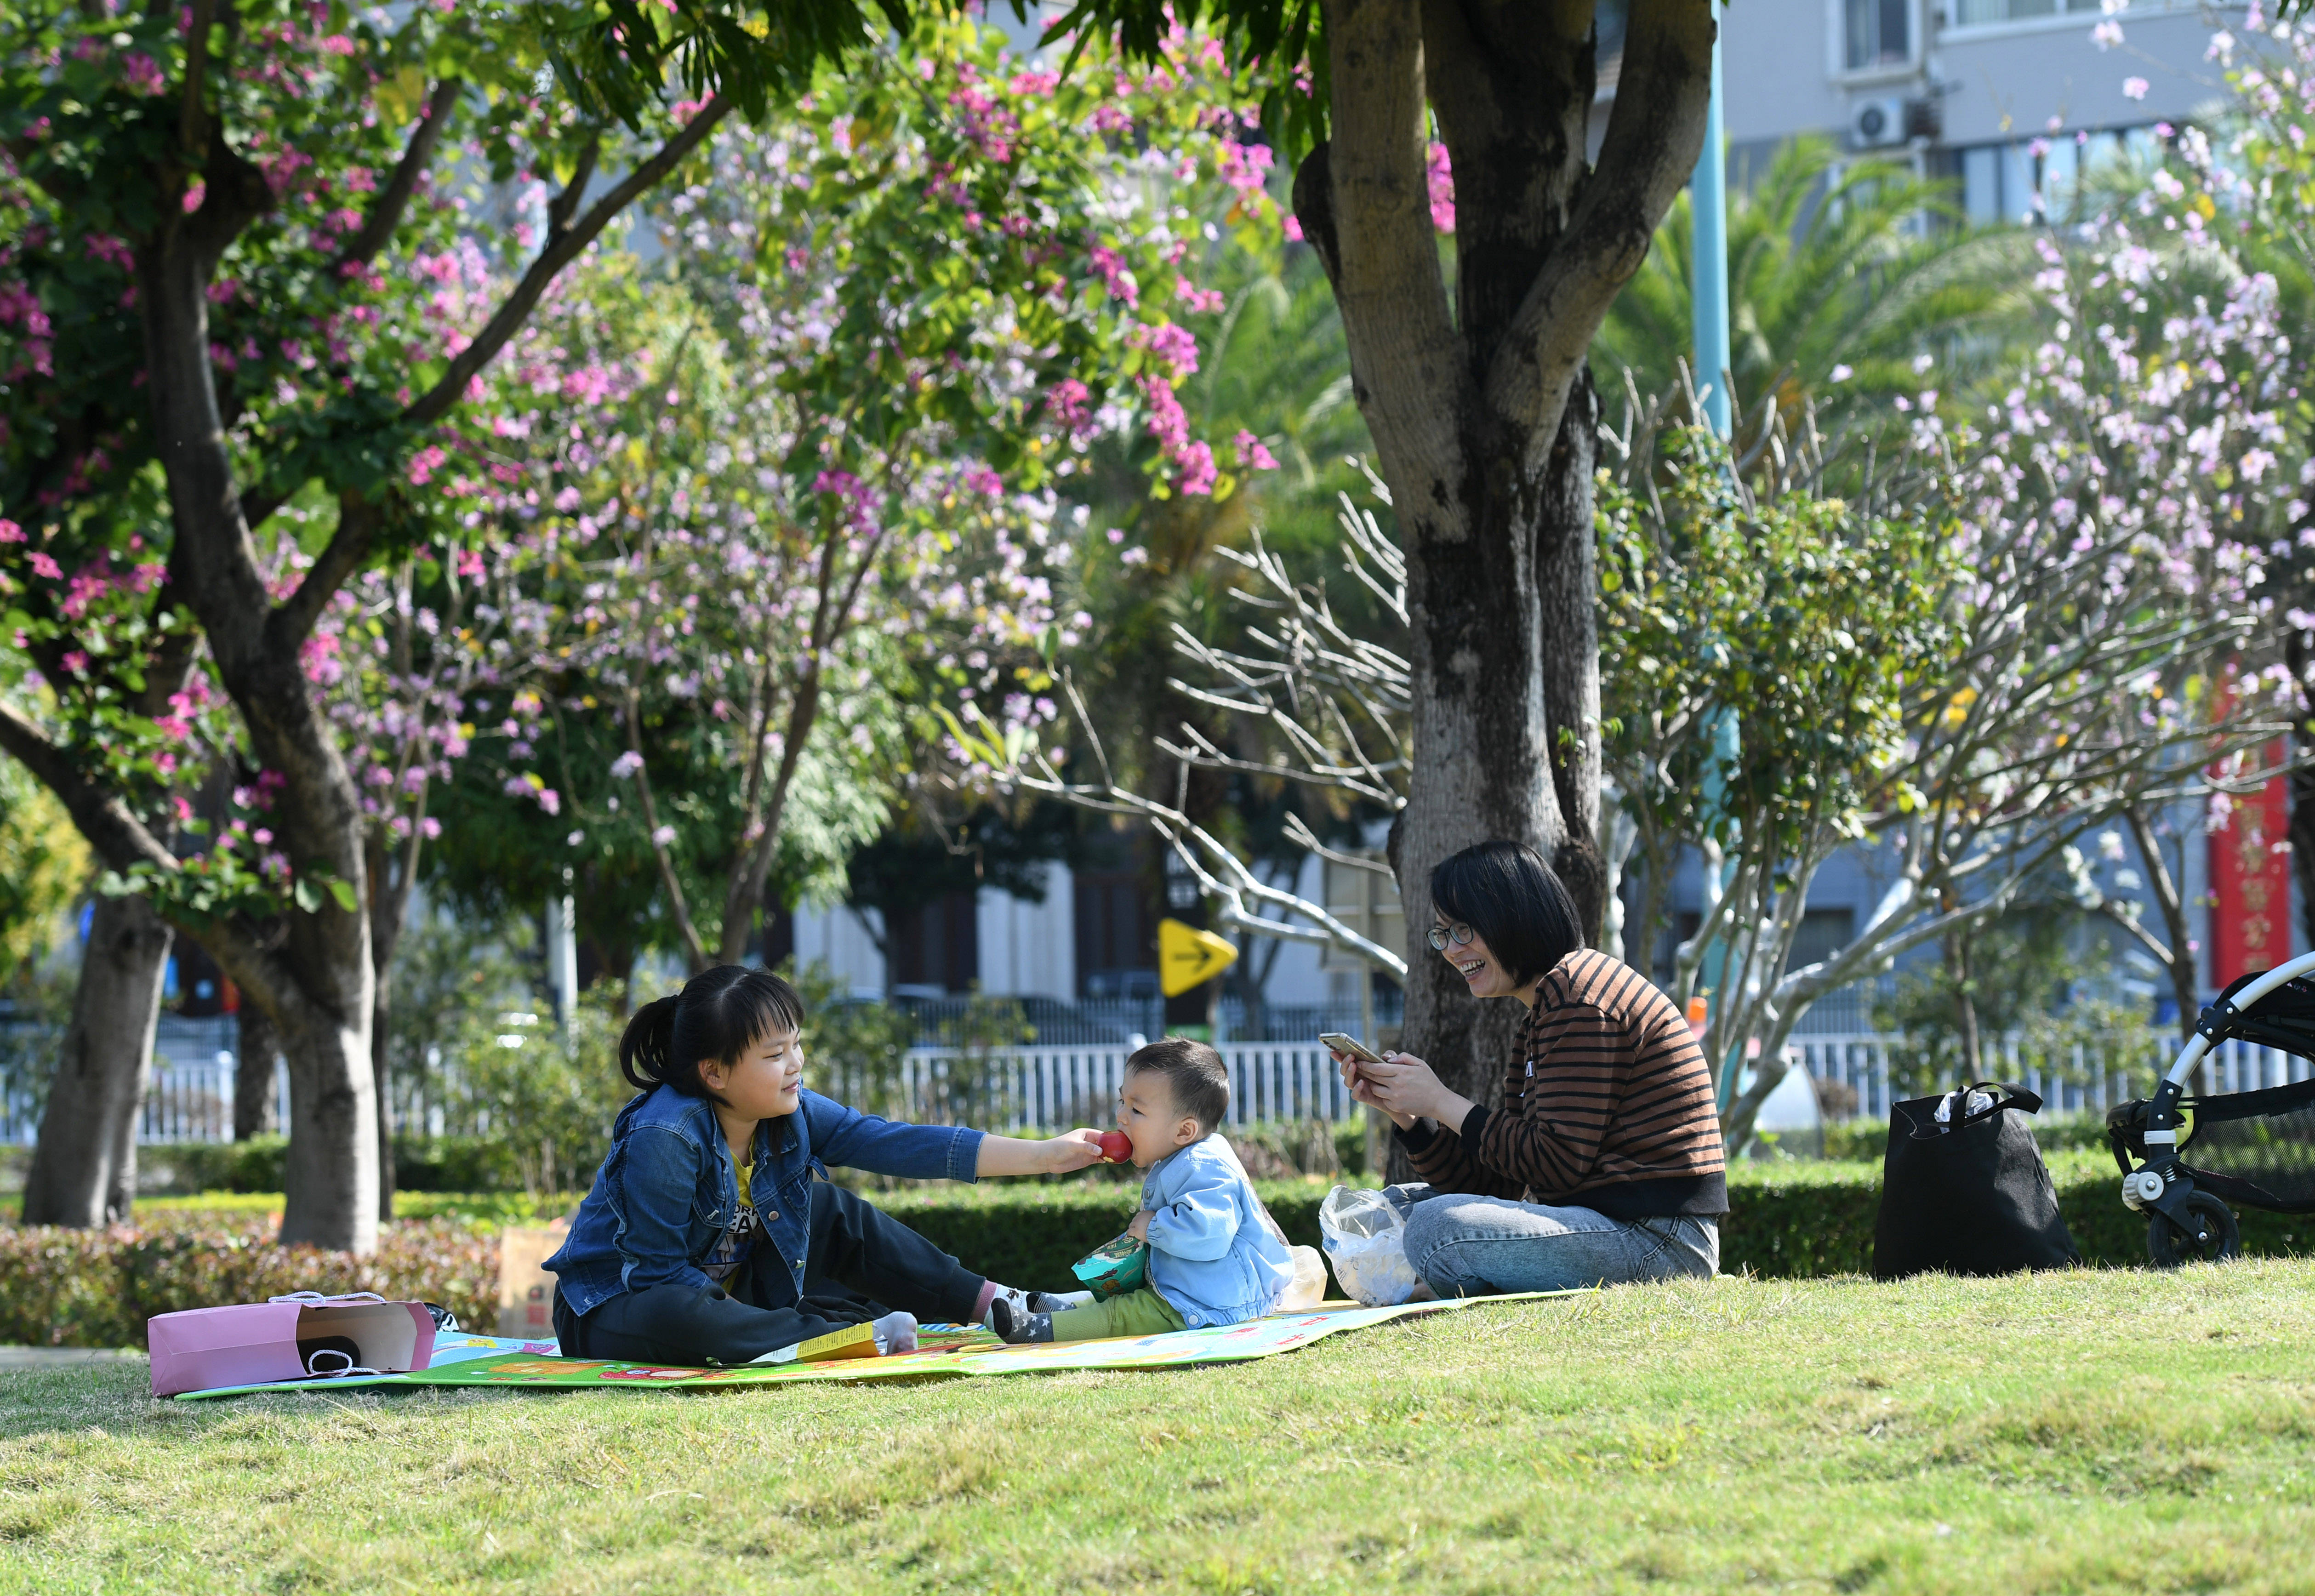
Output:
x,y
19,1357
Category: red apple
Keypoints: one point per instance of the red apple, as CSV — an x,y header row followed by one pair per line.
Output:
x,y
1116,1146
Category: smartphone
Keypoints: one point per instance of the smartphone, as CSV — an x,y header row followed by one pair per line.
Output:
x,y
1350,1046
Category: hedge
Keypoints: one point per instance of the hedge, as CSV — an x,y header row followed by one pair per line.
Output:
x,y
443,1164
96,1288
63,1288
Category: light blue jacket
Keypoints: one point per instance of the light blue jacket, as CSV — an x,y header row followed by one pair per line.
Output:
x,y
1215,1253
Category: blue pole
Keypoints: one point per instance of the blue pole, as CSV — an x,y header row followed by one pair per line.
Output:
x,y
1707,201
1708,198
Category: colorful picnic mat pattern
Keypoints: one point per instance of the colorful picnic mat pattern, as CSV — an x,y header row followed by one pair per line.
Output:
x,y
943,1351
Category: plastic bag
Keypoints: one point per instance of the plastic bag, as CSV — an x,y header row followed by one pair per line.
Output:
x,y
1366,1242
1308,1288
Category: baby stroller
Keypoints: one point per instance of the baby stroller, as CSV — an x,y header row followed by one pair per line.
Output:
x,y
2253,1150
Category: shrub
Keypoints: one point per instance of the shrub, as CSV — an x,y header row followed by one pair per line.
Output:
x,y
1868,1138
97,1288
436,1164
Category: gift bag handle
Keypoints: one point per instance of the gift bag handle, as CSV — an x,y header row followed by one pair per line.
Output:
x,y
316,1297
2014,1097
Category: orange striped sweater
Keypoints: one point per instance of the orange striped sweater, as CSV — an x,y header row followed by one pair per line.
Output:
x,y
1609,1106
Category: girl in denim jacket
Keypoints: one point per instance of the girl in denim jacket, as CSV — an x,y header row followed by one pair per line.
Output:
x,y
707,1239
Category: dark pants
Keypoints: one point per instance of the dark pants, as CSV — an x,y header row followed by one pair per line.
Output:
x,y
858,1260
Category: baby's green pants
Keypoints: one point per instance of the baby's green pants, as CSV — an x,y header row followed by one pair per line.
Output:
x,y
1137,1313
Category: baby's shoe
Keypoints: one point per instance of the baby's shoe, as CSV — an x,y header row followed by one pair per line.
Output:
x,y
1014,1328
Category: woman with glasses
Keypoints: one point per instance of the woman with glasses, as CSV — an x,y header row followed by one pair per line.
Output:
x,y
1603,1162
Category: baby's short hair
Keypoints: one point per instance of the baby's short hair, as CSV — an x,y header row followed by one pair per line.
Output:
x,y
1193,1073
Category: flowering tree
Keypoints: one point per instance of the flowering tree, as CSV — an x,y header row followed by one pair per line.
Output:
x,y
2102,524
213,304
2238,192
823,487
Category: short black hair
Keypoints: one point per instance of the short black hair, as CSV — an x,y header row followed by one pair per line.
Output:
x,y
1505,893
1194,1074
719,1015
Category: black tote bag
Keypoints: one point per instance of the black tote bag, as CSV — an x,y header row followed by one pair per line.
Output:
x,y
1968,1197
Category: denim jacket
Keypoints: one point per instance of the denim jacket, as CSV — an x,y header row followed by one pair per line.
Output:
x,y
668,1189
1215,1253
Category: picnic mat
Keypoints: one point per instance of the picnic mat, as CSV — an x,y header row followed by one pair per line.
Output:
x,y
944,1352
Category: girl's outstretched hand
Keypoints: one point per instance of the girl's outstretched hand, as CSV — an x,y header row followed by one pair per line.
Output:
x,y
1018,1154
1075,1149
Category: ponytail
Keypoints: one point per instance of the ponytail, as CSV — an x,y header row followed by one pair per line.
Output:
x,y
719,1015
644,1045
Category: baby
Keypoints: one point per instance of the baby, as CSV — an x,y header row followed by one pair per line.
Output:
x,y
1215,1256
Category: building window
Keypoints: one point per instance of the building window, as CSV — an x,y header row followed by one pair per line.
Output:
x,y
936,949
2033,180
1983,14
1879,33
1116,935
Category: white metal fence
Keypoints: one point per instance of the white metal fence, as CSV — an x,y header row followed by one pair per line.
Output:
x,y
189,1097
1055,1086
1861,1064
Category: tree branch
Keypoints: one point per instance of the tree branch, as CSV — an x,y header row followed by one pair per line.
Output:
x,y
560,209
436,401
120,838
678,904
193,114
385,213
294,617
1653,136
1406,365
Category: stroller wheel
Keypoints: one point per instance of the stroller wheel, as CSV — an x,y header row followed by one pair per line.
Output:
x,y
2212,1233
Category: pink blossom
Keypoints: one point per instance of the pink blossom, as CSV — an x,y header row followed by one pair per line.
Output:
x,y
1198,301
44,564
1115,276
1069,403
1198,473
143,75
1173,345
1441,176
10,532
2134,88
1252,456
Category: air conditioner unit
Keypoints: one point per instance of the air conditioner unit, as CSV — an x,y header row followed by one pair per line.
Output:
x,y
1875,123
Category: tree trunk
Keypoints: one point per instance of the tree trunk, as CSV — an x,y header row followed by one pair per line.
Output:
x,y
381,1016
317,979
84,1169
1957,966
330,1198
1483,413
255,1110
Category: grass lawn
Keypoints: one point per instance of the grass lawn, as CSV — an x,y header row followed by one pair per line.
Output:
x,y
2085,1431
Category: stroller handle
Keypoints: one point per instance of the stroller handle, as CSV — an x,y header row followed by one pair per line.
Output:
x,y
2199,1045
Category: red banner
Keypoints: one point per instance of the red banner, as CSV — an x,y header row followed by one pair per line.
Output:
x,y
2251,882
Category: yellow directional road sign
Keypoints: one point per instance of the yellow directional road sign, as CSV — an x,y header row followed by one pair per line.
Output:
x,y
1188,957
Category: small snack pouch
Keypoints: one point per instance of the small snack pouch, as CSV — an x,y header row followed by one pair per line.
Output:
x,y
302,1335
1115,1269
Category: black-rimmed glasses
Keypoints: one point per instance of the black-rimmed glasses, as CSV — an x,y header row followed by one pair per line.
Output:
x,y
1459,934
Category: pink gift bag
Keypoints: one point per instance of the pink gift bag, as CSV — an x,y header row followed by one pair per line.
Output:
x,y
289,1337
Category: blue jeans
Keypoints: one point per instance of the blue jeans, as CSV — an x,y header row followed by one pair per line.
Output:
x,y
1465,1246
